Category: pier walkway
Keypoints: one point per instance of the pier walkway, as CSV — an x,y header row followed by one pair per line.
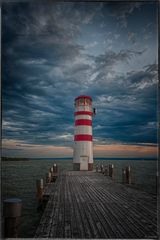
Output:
x,y
91,205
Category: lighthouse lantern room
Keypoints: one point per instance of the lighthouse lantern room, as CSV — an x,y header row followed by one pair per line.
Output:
x,y
83,146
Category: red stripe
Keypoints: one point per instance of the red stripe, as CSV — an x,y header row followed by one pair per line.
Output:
x,y
83,122
83,96
83,137
83,113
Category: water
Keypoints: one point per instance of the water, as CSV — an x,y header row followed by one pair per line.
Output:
x,y
19,180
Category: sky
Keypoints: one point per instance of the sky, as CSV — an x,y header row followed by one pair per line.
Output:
x,y
54,52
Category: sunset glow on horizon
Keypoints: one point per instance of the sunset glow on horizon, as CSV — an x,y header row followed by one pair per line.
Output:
x,y
13,148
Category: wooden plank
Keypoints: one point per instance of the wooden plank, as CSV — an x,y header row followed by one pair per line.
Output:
x,y
117,201
83,209
90,205
68,213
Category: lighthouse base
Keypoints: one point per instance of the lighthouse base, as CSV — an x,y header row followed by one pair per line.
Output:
x,y
90,166
76,167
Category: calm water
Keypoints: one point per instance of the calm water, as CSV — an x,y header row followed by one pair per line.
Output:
x,y
19,180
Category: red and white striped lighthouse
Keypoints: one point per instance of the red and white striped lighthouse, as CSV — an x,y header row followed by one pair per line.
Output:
x,y
83,146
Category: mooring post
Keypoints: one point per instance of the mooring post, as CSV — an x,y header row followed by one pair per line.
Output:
x,y
123,176
48,177
52,175
97,167
12,208
40,186
111,170
55,171
102,167
157,183
106,170
128,175
55,168
51,170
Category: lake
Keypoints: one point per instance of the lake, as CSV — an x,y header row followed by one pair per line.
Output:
x,y
19,180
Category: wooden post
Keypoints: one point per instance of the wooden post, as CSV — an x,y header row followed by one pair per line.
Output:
x,y
51,171
123,175
40,187
48,177
55,168
12,213
128,175
111,170
157,183
97,167
55,172
106,170
102,168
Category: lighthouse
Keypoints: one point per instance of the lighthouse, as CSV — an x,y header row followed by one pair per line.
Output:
x,y
83,146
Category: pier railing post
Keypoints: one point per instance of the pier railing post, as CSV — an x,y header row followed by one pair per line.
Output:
x,y
123,176
51,170
12,213
128,175
40,186
111,170
48,177
97,168
52,174
55,168
102,168
106,170
55,172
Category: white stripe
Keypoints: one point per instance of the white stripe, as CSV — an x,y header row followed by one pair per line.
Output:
x,y
83,130
84,108
88,117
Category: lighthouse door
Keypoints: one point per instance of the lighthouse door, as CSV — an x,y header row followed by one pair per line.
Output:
x,y
84,162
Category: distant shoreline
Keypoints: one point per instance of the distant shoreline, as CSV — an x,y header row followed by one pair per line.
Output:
x,y
14,159
70,158
97,158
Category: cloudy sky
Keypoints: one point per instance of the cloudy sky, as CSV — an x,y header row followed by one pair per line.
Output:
x,y
53,52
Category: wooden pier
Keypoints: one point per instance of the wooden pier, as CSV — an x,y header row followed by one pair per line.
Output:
x,y
84,204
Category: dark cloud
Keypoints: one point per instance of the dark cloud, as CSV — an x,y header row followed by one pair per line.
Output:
x,y
48,60
105,62
122,11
